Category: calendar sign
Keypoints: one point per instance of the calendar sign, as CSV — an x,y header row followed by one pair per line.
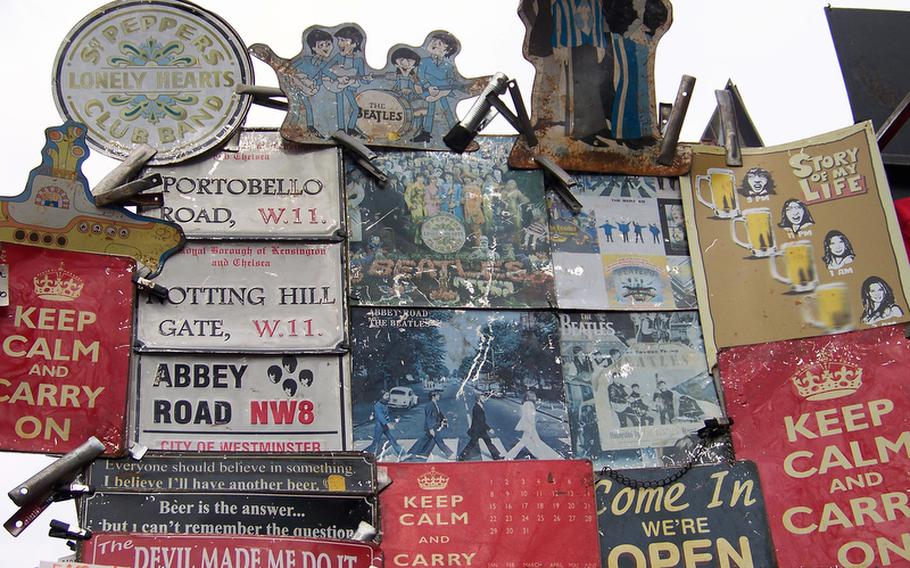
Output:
x,y
268,188
712,514
523,514
178,551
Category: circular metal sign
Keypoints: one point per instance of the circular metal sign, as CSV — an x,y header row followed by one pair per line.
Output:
x,y
159,72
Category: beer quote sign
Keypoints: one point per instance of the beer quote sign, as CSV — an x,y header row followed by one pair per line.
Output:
x,y
66,348
247,296
826,421
267,189
251,403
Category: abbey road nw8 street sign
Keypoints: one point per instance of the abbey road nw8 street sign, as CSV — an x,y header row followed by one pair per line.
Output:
x,y
174,551
247,296
268,189
156,72
241,403
329,473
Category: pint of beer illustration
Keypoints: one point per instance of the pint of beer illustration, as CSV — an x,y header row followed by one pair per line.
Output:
x,y
722,183
758,230
335,482
799,266
828,308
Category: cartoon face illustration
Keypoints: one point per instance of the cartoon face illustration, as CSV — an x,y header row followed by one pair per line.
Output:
x,y
346,45
437,48
757,182
405,64
794,212
323,48
838,246
876,292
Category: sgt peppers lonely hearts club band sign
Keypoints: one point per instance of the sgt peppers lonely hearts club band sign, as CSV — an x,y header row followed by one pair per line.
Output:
x,y
65,349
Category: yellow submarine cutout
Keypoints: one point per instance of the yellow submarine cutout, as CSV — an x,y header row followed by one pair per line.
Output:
x,y
57,211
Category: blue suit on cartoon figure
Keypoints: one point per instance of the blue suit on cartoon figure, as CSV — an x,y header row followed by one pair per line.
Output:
x,y
382,427
436,74
350,69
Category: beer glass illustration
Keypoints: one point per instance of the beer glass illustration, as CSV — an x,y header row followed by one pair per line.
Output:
x,y
722,183
799,266
758,230
828,308
335,482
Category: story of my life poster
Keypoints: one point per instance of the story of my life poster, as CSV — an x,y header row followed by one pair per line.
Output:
x,y
801,240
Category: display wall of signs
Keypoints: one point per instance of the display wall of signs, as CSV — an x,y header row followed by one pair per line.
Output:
x,y
66,350
711,516
247,296
408,103
450,231
439,385
241,403
161,73
317,473
146,550
626,249
244,497
802,240
268,188
826,421
57,211
635,381
492,514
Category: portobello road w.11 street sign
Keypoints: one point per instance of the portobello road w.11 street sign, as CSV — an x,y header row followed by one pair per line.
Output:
x,y
156,72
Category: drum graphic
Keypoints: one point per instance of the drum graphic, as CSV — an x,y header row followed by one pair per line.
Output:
x,y
384,115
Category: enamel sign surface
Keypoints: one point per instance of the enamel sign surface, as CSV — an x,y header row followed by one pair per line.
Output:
x,y
159,72
247,296
268,189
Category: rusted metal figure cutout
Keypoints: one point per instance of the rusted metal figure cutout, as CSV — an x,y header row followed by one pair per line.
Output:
x,y
593,105
408,103
57,211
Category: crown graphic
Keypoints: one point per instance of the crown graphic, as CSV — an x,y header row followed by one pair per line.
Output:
x,y
433,480
58,285
826,379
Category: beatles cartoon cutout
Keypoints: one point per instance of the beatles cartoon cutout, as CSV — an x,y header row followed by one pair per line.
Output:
x,y
593,106
57,210
408,103
288,378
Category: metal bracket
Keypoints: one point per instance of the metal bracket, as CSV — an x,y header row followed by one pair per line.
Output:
x,y
114,187
152,288
363,155
264,96
59,529
60,472
675,120
564,182
31,511
137,451
519,120
734,155
893,124
365,532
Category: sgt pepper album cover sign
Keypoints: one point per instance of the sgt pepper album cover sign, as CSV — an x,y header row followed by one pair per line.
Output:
x,y
450,231
445,385
826,421
800,241
626,249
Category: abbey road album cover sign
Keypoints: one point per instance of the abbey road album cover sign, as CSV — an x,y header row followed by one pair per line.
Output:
x,y
825,419
498,515
148,550
274,404
408,103
314,473
66,349
268,188
802,240
626,249
247,296
711,516
635,381
243,497
441,385
158,72
450,231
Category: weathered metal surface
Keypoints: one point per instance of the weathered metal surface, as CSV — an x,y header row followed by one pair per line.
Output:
x,y
243,296
57,211
156,72
267,189
593,106
408,103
